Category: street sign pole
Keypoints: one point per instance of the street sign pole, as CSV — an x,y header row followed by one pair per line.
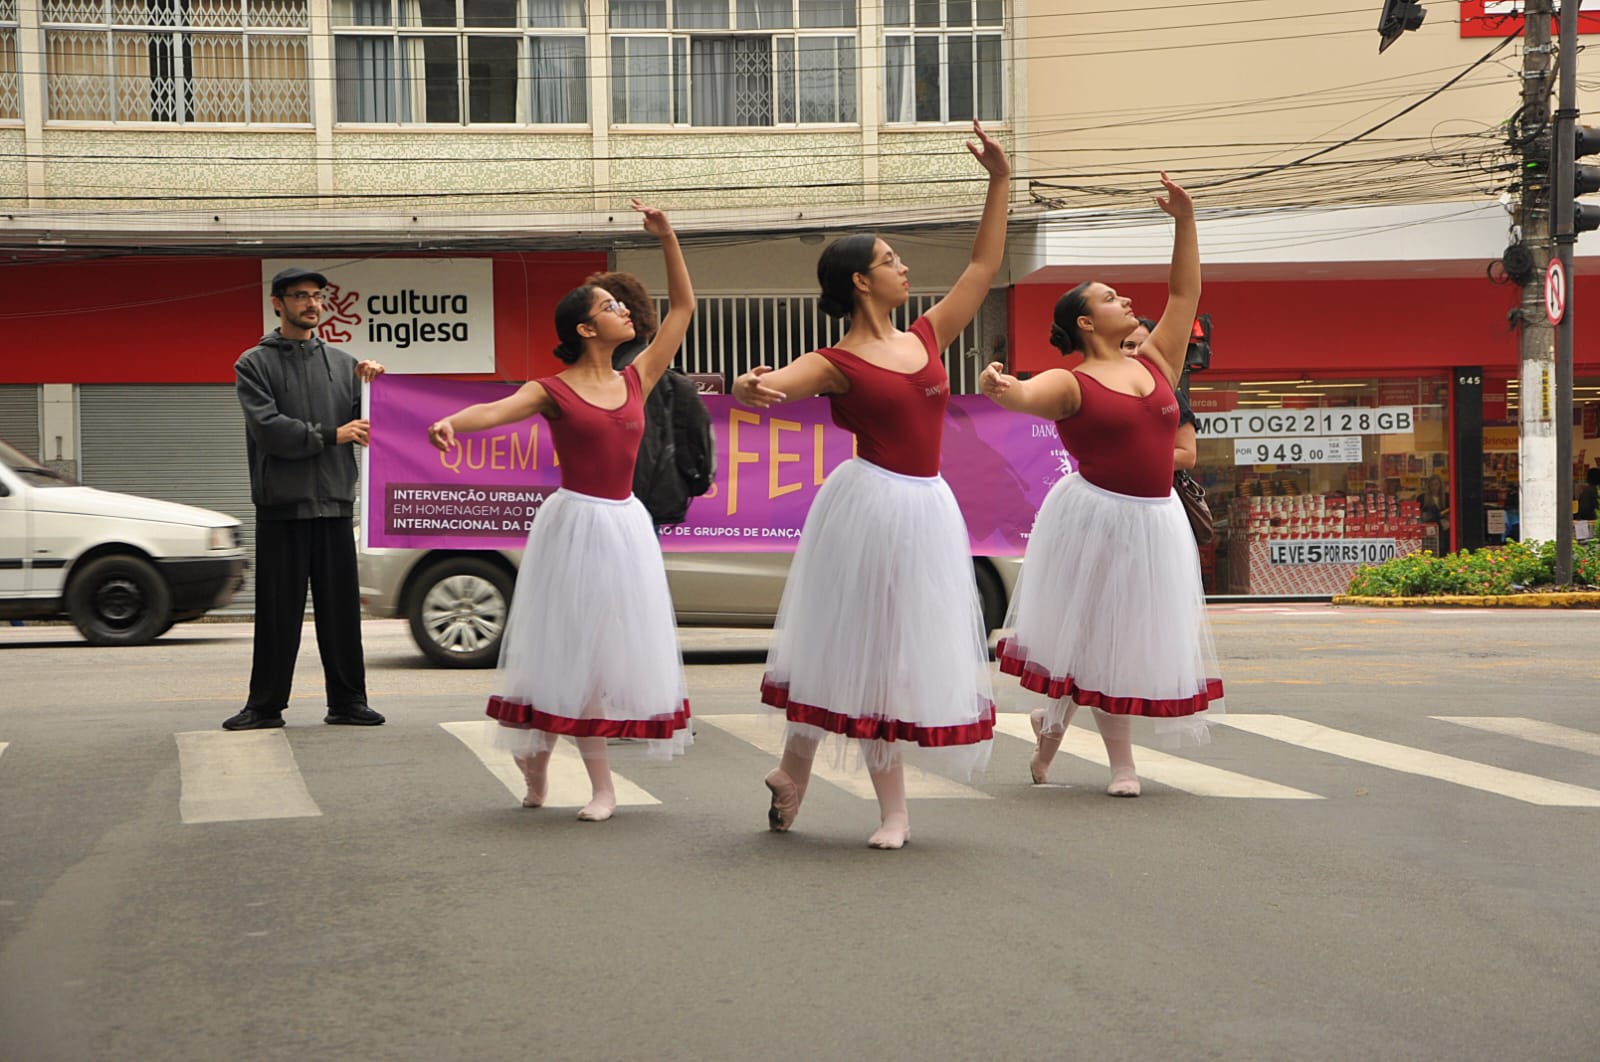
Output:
x,y
1566,145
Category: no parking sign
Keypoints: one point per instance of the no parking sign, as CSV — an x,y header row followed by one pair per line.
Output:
x,y
1555,291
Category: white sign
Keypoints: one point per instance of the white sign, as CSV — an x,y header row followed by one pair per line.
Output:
x,y
1305,423
1331,450
423,315
1331,551
1555,291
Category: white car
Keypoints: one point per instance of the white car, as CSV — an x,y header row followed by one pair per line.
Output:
x,y
124,569
457,600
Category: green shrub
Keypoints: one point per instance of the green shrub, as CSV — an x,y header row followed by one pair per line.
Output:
x,y
1496,570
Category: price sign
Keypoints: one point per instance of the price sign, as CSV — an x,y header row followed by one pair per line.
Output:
x,y
1331,450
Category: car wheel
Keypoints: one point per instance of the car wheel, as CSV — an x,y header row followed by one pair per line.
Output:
x,y
991,596
458,611
119,600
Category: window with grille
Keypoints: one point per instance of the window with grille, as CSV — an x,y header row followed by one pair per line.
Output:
x,y
943,60
733,62
10,87
460,62
180,61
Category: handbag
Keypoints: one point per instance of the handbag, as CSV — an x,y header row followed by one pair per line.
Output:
x,y
1193,496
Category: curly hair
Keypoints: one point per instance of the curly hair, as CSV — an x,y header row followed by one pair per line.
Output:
x,y
631,292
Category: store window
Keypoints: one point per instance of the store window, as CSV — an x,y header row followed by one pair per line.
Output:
x,y
1502,507
733,62
10,87
177,61
943,60
1311,478
460,62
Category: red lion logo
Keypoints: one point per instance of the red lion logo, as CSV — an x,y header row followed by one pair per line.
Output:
x,y
342,315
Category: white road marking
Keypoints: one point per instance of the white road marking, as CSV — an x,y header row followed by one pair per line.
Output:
x,y
766,734
569,781
1187,775
231,777
1561,737
1528,788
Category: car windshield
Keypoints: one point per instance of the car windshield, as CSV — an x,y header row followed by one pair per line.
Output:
x,y
30,470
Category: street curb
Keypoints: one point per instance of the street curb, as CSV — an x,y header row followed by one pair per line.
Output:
x,y
1568,599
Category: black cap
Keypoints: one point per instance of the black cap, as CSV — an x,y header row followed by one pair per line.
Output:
x,y
292,274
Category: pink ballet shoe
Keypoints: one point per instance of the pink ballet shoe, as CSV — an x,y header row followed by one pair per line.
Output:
x,y
1038,765
1124,783
890,837
785,801
537,780
597,810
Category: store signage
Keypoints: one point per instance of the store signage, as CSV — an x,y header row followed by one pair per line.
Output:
x,y
1304,423
1504,18
1332,551
1328,450
426,315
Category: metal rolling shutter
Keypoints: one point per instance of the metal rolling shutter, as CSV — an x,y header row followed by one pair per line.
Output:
x,y
19,417
177,442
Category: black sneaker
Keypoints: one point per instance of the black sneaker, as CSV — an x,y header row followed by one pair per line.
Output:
x,y
358,715
253,719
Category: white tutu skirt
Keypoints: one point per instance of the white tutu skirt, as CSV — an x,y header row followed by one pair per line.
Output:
x,y
591,645
880,636
1110,612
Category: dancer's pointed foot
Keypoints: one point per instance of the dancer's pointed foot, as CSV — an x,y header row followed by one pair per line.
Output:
x,y
785,800
1124,783
601,808
1044,748
894,833
535,772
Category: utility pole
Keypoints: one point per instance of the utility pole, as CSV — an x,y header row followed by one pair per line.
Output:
x,y
1535,394
1566,233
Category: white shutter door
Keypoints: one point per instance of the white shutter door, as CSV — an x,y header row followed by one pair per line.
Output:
x,y
19,417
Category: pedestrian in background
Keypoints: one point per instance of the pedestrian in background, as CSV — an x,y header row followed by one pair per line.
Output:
x,y
879,635
591,646
302,410
1109,610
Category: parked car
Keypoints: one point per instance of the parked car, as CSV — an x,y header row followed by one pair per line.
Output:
x,y
124,569
457,601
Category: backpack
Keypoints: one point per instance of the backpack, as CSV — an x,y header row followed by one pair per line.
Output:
x,y
678,452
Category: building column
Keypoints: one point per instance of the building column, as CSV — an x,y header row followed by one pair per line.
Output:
x,y
58,428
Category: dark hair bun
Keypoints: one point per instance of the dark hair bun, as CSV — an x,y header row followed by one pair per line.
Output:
x,y
566,353
832,306
1060,340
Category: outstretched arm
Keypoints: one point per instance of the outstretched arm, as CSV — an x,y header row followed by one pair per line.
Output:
x,y
809,374
1052,394
953,312
1169,342
524,402
654,359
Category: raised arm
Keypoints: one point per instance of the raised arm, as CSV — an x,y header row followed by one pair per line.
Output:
x,y
809,374
1169,341
1052,394
526,401
654,359
953,312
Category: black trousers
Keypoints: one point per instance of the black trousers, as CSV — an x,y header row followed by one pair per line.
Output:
x,y
290,554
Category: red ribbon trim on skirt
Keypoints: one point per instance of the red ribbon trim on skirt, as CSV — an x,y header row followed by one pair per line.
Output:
x,y
1014,661
523,716
776,694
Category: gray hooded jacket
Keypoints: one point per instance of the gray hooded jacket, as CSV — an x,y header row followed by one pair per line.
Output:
x,y
295,395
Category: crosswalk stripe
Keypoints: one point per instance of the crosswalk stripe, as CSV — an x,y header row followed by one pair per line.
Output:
x,y
766,734
1191,777
1562,737
230,777
1528,788
569,781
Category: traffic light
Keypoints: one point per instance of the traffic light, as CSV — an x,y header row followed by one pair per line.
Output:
x,y
1198,357
1398,16
1585,179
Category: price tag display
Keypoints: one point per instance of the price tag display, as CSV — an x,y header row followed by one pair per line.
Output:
x,y
1329,450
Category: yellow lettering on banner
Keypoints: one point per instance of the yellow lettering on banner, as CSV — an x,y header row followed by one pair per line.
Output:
x,y
737,417
497,453
778,458
483,452
445,457
818,473
528,458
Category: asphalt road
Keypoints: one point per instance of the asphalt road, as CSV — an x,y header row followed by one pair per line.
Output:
x,y
1412,902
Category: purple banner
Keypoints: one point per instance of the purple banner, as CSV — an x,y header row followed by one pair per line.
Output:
x,y
485,493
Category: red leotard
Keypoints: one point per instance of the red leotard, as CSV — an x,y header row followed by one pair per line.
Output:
x,y
896,417
1123,443
596,447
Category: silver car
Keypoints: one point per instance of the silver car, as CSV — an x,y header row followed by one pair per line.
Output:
x,y
457,601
